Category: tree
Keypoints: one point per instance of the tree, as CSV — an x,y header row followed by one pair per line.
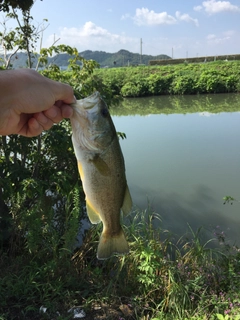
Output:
x,y
23,38
15,4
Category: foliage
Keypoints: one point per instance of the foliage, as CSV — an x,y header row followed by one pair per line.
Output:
x,y
212,77
23,38
77,75
23,5
161,278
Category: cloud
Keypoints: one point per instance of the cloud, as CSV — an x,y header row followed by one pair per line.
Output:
x,y
148,17
145,16
198,8
213,6
212,39
92,37
211,36
90,29
185,17
125,16
229,33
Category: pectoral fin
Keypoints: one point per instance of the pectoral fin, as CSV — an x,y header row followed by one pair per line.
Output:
x,y
92,214
101,165
127,202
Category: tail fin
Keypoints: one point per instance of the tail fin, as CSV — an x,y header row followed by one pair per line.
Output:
x,y
108,245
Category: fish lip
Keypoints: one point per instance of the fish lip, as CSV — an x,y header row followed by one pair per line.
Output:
x,y
89,104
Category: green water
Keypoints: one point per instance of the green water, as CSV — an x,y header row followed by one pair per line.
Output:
x,y
182,154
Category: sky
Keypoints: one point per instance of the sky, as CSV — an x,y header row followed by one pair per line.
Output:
x,y
178,28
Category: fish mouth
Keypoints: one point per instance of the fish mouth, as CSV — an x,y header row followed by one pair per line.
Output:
x,y
89,104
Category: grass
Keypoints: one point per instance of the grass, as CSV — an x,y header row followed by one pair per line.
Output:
x,y
160,279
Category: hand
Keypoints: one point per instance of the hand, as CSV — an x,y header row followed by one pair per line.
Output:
x,y
31,103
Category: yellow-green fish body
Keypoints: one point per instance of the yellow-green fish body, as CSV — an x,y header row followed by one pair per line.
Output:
x,y
102,171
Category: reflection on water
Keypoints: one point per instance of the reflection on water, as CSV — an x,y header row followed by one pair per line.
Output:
x,y
184,161
203,104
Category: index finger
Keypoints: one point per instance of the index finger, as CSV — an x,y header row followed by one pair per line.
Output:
x,y
63,92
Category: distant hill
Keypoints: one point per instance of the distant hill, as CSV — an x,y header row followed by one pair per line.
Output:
x,y
105,59
120,58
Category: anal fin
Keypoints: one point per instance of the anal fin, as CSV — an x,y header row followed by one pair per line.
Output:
x,y
127,202
92,214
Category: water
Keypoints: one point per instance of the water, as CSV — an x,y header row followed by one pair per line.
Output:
x,y
182,155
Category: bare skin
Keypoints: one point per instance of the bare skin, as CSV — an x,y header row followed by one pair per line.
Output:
x,y
31,103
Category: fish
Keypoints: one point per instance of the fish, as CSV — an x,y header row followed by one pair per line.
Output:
x,y
102,171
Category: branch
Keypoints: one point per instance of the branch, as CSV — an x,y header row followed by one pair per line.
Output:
x,y
10,57
25,38
37,162
37,66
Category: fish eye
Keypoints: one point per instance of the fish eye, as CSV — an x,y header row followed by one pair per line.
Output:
x,y
104,112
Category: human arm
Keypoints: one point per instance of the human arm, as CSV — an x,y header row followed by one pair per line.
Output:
x,y
31,103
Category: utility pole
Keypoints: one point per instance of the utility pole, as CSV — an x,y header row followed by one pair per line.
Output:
x,y
141,51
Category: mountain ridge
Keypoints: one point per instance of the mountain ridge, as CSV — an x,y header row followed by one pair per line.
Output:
x,y
105,59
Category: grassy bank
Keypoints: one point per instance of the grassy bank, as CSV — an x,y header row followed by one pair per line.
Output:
x,y
192,78
163,277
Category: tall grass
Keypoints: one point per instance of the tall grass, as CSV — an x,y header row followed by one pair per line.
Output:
x,y
161,278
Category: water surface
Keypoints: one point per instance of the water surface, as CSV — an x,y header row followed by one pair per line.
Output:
x,y
182,154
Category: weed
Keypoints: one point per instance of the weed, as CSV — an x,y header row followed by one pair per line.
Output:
x,y
159,279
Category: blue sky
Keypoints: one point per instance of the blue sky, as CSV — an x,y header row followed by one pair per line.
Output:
x,y
184,28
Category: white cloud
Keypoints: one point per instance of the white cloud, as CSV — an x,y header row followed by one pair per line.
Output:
x,y
145,16
125,16
185,17
90,29
198,8
229,33
213,6
92,37
212,39
211,36
148,17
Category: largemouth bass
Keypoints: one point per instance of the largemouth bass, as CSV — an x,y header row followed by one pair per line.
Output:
x,y
102,171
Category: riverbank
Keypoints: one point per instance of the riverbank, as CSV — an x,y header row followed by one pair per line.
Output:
x,y
186,78
161,278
